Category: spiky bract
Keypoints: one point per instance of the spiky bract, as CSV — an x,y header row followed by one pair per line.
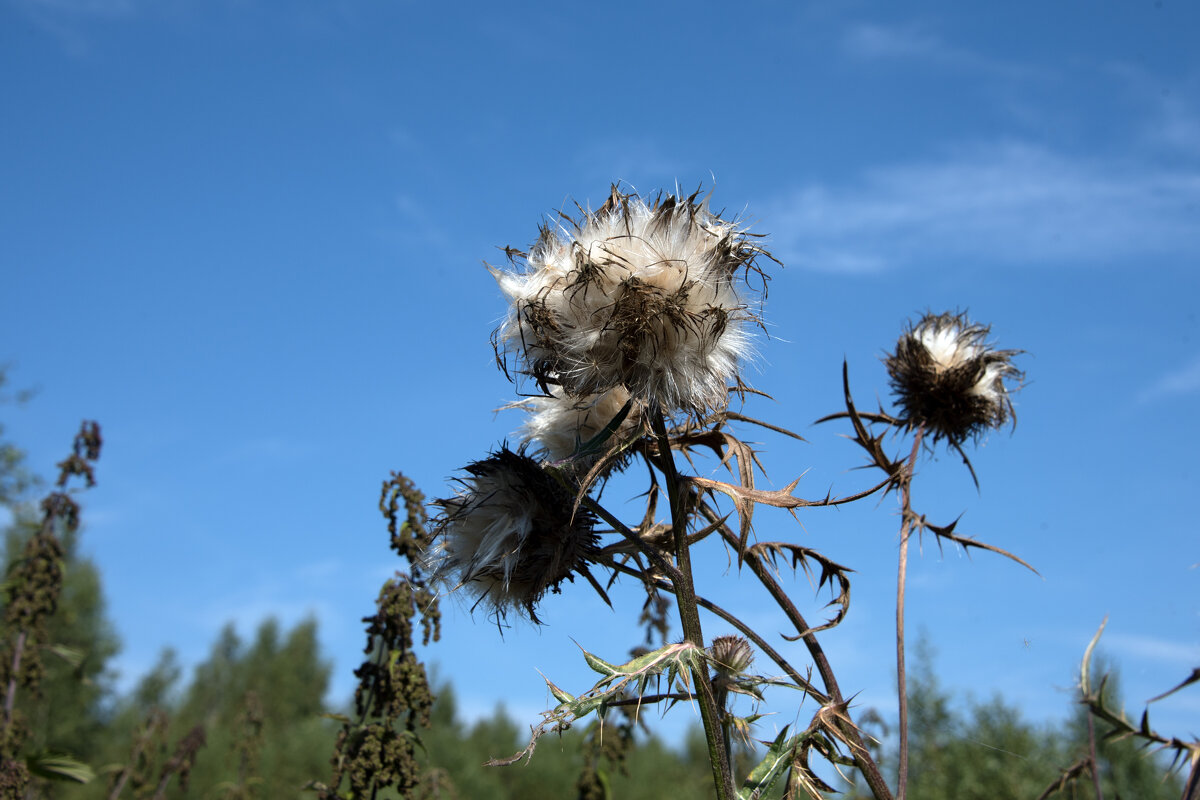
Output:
x,y
948,378
511,534
638,295
730,655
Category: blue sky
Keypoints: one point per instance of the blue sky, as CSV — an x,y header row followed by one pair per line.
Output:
x,y
247,238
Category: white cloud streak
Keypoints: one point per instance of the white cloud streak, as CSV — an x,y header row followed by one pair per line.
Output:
x,y
869,42
1151,648
1182,381
1008,203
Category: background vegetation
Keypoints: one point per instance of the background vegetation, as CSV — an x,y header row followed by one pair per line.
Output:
x,y
254,721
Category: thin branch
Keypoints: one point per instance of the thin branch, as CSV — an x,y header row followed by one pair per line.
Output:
x,y
862,758
906,526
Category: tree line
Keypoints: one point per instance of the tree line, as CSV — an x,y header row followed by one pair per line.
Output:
x,y
252,720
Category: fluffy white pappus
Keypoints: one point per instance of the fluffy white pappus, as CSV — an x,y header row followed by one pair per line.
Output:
x,y
559,425
643,296
949,378
510,534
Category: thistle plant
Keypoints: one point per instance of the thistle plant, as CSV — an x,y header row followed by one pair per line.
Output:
x,y
634,323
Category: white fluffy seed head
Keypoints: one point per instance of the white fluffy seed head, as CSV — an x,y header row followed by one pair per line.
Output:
x,y
559,425
510,534
642,296
947,377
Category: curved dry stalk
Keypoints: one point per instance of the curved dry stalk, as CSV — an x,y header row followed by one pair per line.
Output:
x,y
862,758
743,628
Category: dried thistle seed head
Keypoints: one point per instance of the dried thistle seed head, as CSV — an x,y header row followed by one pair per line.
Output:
x,y
559,425
510,534
644,296
947,377
730,655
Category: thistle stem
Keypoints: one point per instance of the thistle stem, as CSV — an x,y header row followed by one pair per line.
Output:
x,y
759,642
862,756
689,615
906,527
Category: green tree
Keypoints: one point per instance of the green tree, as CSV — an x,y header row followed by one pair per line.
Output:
x,y
68,712
258,704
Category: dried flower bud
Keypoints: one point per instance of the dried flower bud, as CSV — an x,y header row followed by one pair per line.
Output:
x,y
641,296
560,425
730,655
947,377
511,533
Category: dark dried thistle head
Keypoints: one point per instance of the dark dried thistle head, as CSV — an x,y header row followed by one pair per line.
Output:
x,y
511,534
948,378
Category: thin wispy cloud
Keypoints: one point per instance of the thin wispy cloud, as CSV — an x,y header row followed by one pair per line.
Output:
x,y
915,42
1182,381
868,41
1009,203
1152,648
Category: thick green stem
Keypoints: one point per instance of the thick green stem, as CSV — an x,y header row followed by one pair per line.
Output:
x,y
689,614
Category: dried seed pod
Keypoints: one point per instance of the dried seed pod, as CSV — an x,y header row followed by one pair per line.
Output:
x,y
511,534
947,377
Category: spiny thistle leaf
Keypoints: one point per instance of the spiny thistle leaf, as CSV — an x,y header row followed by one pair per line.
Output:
x,y
618,682
768,771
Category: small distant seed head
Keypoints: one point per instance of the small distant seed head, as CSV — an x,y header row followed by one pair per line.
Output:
x,y
947,377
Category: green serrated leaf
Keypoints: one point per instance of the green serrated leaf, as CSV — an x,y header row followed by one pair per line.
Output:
x,y
57,767
599,664
776,761
559,694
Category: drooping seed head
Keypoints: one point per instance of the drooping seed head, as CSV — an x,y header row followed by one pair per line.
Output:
x,y
510,534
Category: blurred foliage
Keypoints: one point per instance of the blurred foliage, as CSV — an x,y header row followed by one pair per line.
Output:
x,y
985,750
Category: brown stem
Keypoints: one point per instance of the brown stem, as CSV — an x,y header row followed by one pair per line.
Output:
x,y
689,615
862,757
901,580
641,545
1192,790
742,627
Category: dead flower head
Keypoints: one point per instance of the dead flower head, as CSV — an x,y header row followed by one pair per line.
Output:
x,y
947,377
640,295
510,535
